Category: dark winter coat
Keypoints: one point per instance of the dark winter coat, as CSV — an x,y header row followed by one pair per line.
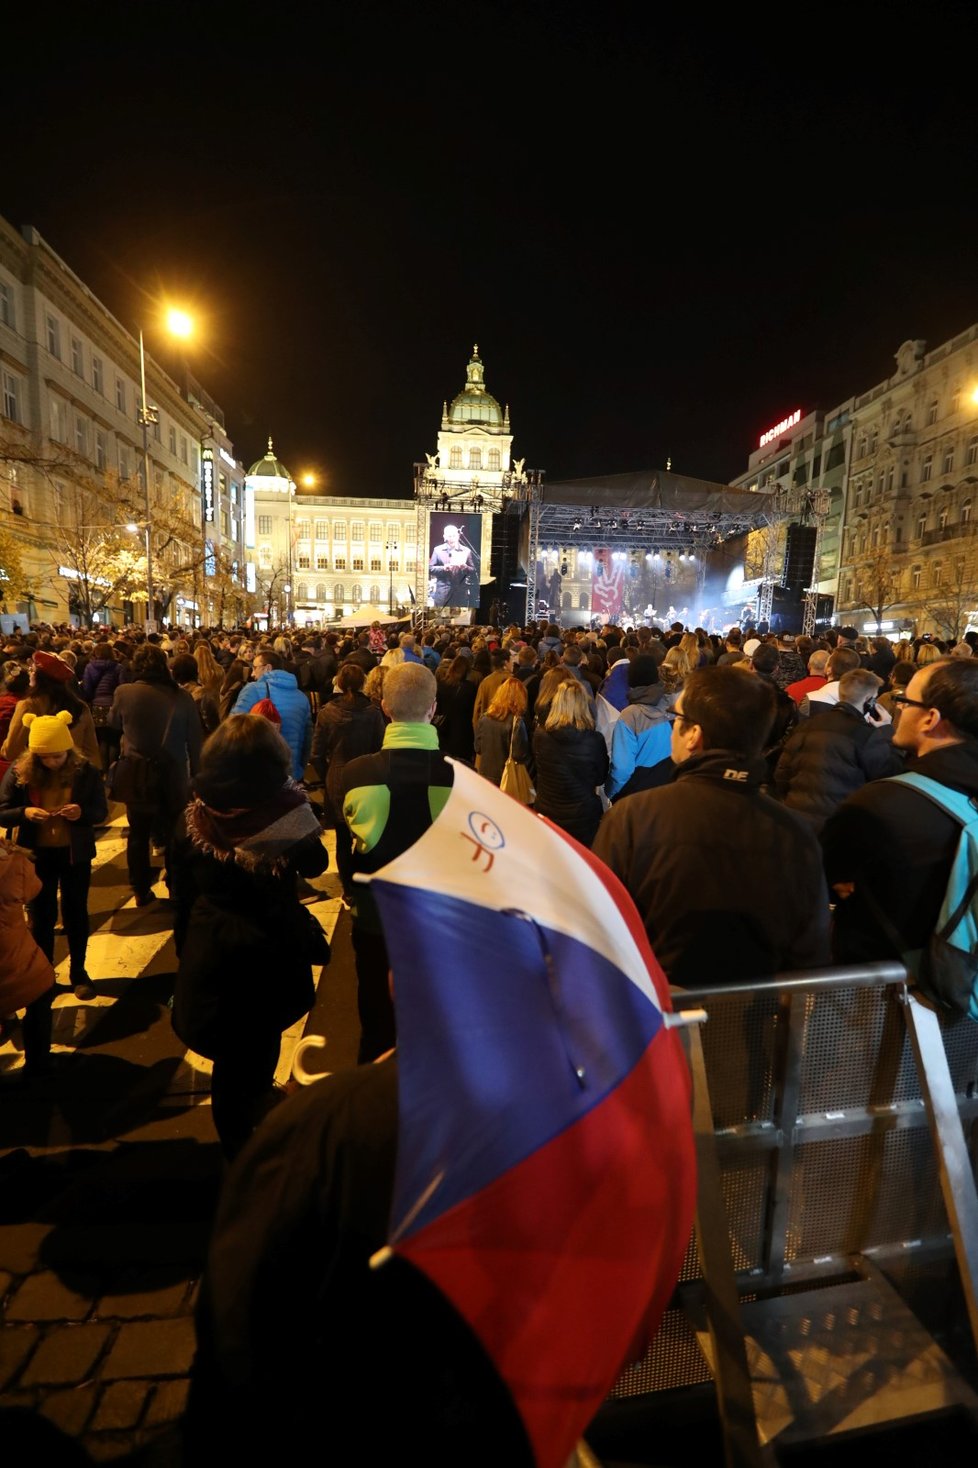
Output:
x,y
492,743
155,717
728,883
242,941
87,790
897,847
569,764
828,758
101,679
454,708
345,729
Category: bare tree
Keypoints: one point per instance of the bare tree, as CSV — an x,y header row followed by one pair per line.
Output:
x,y
272,581
11,565
952,601
875,585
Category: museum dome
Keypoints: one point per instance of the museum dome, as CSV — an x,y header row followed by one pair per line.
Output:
x,y
474,404
270,467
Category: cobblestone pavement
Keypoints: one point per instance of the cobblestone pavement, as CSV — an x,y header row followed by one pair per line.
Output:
x,y
109,1173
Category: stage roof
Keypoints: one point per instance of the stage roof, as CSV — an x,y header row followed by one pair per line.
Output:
x,y
649,507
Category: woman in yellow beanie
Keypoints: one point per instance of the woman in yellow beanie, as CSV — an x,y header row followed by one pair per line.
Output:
x,y
55,798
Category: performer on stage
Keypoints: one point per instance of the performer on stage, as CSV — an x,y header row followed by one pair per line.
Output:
x,y
452,571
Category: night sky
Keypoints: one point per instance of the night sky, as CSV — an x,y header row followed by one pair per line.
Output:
x,y
664,233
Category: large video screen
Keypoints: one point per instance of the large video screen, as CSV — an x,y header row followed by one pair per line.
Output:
x,y
454,559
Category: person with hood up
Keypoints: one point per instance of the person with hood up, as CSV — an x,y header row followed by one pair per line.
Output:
x,y
641,735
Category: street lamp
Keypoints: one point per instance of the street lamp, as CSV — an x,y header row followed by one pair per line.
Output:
x,y
179,324
391,549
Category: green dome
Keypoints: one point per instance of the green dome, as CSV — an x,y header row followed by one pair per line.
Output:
x,y
474,404
269,467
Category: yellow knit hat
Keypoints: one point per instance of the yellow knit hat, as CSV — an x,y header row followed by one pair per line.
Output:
x,y
49,733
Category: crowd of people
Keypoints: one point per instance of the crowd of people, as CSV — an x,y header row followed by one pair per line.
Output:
x,y
737,786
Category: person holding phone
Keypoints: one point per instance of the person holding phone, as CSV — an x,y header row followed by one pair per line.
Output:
x,y
55,798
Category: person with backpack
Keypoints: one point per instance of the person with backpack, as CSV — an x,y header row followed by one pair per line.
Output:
x,y
890,848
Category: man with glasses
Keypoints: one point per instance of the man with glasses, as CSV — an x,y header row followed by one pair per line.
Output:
x,y
888,848
727,881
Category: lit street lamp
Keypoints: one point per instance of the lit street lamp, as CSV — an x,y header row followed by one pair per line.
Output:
x,y
178,324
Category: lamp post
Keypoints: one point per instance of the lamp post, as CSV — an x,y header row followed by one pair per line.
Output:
x,y
178,324
391,549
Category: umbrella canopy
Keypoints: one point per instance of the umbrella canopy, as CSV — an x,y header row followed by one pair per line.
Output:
x,y
545,1176
368,615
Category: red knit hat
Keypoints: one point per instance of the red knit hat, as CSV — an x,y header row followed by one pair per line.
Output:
x,y
53,667
267,710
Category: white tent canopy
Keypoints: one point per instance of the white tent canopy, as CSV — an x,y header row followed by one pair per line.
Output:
x,y
367,614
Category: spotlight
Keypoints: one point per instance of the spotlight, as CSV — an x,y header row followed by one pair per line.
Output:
x,y
563,568
577,525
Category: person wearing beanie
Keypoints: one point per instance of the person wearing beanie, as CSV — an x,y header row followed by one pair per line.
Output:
x,y
641,734
55,799
244,942
52,688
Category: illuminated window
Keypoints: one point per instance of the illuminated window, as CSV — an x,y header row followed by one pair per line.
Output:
x,y
264,524
338,593
376,532
339,530
375,564
302,529
339,563
357,593
356,532
394,565
393,532
304,564
455,458
321,592
302,592
475,458
322,530
375,594
357,563
493,458
322,563
265,556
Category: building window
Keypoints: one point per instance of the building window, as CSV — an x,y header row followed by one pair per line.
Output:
x,y
77,357
915,578
11,398
942,518
54,337
322,562
264,524
947,463
932,414
172,440
376,532
321,530
59,421
375,564
302,592
265,556
375,595
393,533
955,400
81,436
494,459
898,535
861,451
357,593
921,527
158,430
475,458
120,394
455,458
98,375
411,563
304,563
936,573
358,563
339,563
321,592
6,303
874,439
859,495
393,564
302,529
356,532
966,512
123,464
926,469
183,449
339,530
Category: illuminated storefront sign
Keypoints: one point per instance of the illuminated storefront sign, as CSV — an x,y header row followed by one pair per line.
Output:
x,y
226,457
780,428
208,484
249,518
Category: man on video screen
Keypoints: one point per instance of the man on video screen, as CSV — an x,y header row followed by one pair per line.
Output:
x,y
452,571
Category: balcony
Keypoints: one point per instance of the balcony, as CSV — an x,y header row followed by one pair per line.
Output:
x,y
963,530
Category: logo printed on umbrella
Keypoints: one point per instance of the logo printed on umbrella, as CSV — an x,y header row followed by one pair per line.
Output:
x,y
486,838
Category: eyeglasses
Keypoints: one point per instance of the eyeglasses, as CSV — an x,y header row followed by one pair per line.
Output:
x,y
675,717
901,698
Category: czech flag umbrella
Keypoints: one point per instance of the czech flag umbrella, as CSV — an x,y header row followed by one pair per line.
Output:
x,y
545,1173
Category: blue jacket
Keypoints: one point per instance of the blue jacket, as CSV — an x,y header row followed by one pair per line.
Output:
x,y
293,706
642,736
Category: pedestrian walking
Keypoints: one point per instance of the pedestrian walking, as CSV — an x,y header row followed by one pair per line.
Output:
x,y
26,974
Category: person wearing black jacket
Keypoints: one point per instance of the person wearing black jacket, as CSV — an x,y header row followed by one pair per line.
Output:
x,y
728,883
832,756
570,761
888,849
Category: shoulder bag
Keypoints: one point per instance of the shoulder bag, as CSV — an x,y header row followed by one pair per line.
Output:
x,y
516,778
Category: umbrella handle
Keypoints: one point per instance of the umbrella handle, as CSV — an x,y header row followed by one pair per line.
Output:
x,y
302,1075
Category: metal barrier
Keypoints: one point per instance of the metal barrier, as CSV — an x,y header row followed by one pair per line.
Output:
x,y
837,1221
